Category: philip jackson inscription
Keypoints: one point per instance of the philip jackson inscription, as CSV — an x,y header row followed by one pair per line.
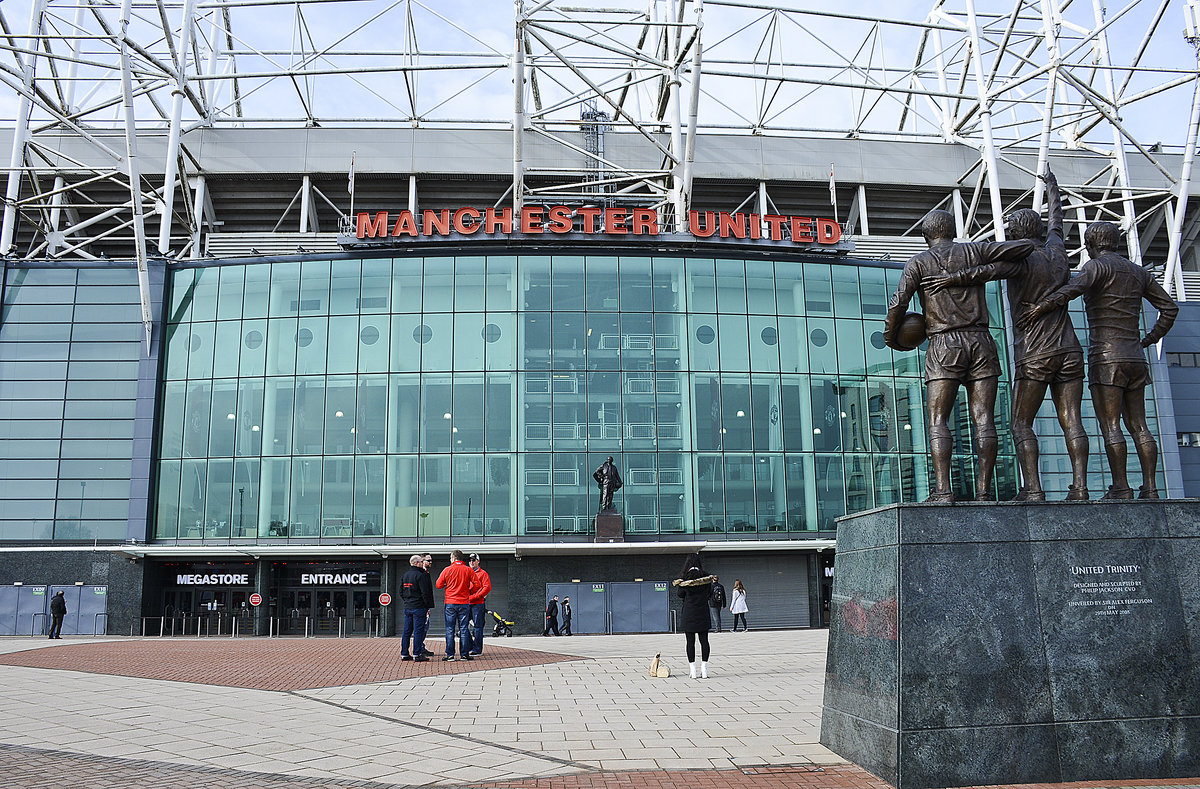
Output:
x,y
1108,589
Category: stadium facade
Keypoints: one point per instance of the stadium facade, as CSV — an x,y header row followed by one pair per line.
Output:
x,y
358,343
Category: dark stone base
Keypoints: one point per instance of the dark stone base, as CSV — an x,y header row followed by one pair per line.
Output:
x,y
610,527
1008,643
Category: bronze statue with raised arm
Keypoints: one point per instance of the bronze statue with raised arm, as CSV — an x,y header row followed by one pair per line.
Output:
x,y
1113,288
1046,352
961,349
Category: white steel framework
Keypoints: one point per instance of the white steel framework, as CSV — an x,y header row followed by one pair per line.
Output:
x,y
101,96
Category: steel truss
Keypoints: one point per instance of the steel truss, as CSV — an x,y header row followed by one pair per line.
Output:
x,y
102,95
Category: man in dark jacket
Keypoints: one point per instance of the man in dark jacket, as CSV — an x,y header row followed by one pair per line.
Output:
x,y
416,591
58,609
566,615
716,601
551,617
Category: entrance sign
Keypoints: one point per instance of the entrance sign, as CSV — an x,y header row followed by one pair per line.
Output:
x,y
256,599
317,579
594,220
385,599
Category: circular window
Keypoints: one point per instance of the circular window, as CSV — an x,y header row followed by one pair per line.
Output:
x,y
877,340
253,339
491,332
706,334
195,342
819,337
369,335
304,338
769,335
422,334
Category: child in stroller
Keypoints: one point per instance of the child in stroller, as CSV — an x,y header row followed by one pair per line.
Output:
x,y
503,627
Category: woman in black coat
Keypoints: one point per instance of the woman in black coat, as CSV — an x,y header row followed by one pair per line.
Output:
x,y
695,587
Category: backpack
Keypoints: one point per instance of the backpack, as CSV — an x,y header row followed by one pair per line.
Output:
x,y
716,598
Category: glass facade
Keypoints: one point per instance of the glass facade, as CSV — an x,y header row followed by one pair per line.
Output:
x,y
70,340
474,396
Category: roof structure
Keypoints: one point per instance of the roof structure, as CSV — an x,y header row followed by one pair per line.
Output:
x,y
116,111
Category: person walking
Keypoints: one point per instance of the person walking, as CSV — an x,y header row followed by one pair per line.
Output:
x,y
737,605
416,592
459,583
716,602
551,617
695,587
479,602
566,616
58,609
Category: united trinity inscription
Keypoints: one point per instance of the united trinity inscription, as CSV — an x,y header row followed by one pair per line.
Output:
x,y
1107,589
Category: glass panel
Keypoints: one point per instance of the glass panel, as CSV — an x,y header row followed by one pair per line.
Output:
x,y
436,416
195,433
439,285
567,287
707,399
601,333
312,337
404,413
466,517
225,355
344,286
739,493
337,497
281,346
703,348
343,345
818,289
734,343
500,341
306,497
499,484
602,284
710,493
370,430
285,289
375,292
203,295
200,347
406,284
194,480
437,350
764,344
408,335
257,290
501,420
736,429
369,496
701,285
469,284
731,286
273,515
249,418
309,424
434,496
829,487
244,522
636,285
850,354
535,339
801,511
668,285
470,414
223,420
217,501
173,410
822,348
760,287
314,288
277,416
846,300
229,299
340,422
469,340
166,492
253,348
402,513
501,282
374,334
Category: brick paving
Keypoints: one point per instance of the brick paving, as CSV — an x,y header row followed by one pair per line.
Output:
x,y
159,713
34,768
267,664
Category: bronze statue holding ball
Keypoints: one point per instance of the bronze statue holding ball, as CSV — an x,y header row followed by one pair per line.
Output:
x,y
961,349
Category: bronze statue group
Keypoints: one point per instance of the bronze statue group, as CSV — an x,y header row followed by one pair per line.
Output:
x,y
949,278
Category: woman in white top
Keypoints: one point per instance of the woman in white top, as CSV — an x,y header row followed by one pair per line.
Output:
x,y
737,605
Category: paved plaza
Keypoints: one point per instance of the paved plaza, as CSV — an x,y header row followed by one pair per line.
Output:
x,y
545,713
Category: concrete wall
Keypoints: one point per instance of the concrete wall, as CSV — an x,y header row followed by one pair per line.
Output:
x,y
122,576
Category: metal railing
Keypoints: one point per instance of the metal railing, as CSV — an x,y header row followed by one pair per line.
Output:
x,y
367,626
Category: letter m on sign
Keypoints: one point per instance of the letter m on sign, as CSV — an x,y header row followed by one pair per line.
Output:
x,y
369,229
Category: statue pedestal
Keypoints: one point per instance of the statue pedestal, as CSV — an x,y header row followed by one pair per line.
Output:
x,y
1009,644
610,527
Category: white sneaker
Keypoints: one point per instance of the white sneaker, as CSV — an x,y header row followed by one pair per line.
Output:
x,y
704,669
693,666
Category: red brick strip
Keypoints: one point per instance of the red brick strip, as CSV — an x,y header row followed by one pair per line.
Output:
x,y
266,664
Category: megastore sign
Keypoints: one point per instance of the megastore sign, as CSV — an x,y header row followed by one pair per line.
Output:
x,y
593,220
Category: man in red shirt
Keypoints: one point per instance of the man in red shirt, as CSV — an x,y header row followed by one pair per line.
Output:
x,y
459,583
479,603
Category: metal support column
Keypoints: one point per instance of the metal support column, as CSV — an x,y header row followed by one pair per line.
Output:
x,y
16,162
985,115
1120,160
135,175
262,585
1174,273
171,171
518,195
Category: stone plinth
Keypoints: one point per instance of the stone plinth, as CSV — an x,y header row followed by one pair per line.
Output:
x,y
1013,643
610,527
